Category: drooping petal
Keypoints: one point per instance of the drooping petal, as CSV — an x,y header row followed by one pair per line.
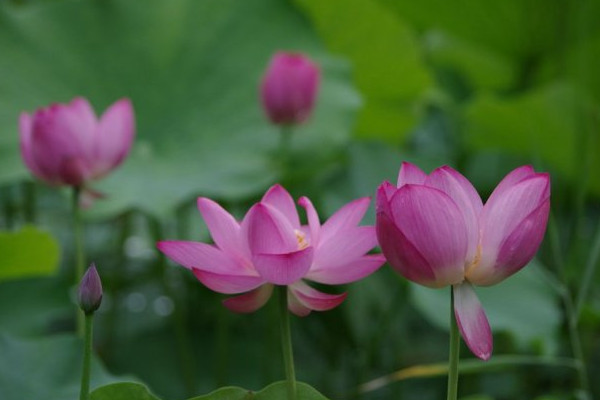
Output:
x,y
268,231
315,300
251,301
224,229
346,217
196,255
472,321
346,246
432,223
462,192
410,174
280,199
284,269
313,220
295,306
228,284
114,136
346,273
514,209
401,254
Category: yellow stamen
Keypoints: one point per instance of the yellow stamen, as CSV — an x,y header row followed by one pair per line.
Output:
x,y
301,238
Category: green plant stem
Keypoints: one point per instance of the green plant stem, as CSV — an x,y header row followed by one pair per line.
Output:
x,y
284,151
79,250
84,393
454,352
29,201
286,342
588,275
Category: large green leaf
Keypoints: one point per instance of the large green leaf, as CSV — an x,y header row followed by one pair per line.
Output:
x,y
524,305
26,253
276,391
192,70
46,368
388,68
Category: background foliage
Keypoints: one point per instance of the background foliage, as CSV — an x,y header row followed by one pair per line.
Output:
x,y
482,86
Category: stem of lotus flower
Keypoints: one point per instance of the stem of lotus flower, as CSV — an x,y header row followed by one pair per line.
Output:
x,y
454,352
84,393
286,341
79,250
284,150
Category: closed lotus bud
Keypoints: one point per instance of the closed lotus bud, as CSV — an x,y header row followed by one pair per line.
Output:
x,y
289,88
90,291
66,144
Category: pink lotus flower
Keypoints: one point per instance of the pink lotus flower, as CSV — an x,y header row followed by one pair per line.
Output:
x,y
289,88
435,231
65,144
270,247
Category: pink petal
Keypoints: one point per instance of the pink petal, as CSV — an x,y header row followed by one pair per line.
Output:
x,y
517,207
346,217
511,179
385,192
284,269
402,255
315,300
268,231
280,199
224,229
346,273
434,226
313,220
73,171
345,247
410,174
295,306
196,255
228,284
472,321
25,130
251,301
462,192
114,136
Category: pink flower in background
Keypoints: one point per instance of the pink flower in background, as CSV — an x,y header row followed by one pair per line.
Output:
x,y
65,144
270,247
434,230
289,88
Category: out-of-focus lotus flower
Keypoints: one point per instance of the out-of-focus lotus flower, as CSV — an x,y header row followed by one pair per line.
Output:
x,y
289,88
270,247
434,230
90,291
65,144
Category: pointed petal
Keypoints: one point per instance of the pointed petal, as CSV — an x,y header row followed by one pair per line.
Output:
x,y
462,192
251,301
345,247
472,321
284,269
410,174
280,199
432,223
511,179
346,273
268,231
500,218
295,306
224,229
228,284
385,192
315,300
196,255
346,217
313,220
114,137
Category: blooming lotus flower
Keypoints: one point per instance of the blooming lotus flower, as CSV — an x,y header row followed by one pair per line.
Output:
x,y
270,247
289,88
65,144
435,231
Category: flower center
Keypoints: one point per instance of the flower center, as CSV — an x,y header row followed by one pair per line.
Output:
x,y
301,238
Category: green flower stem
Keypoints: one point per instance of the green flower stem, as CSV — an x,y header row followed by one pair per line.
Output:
x,y
79,250
454,352
284,151
84,393
286,342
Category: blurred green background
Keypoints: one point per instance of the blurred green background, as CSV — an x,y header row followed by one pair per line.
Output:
x,y
482,86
